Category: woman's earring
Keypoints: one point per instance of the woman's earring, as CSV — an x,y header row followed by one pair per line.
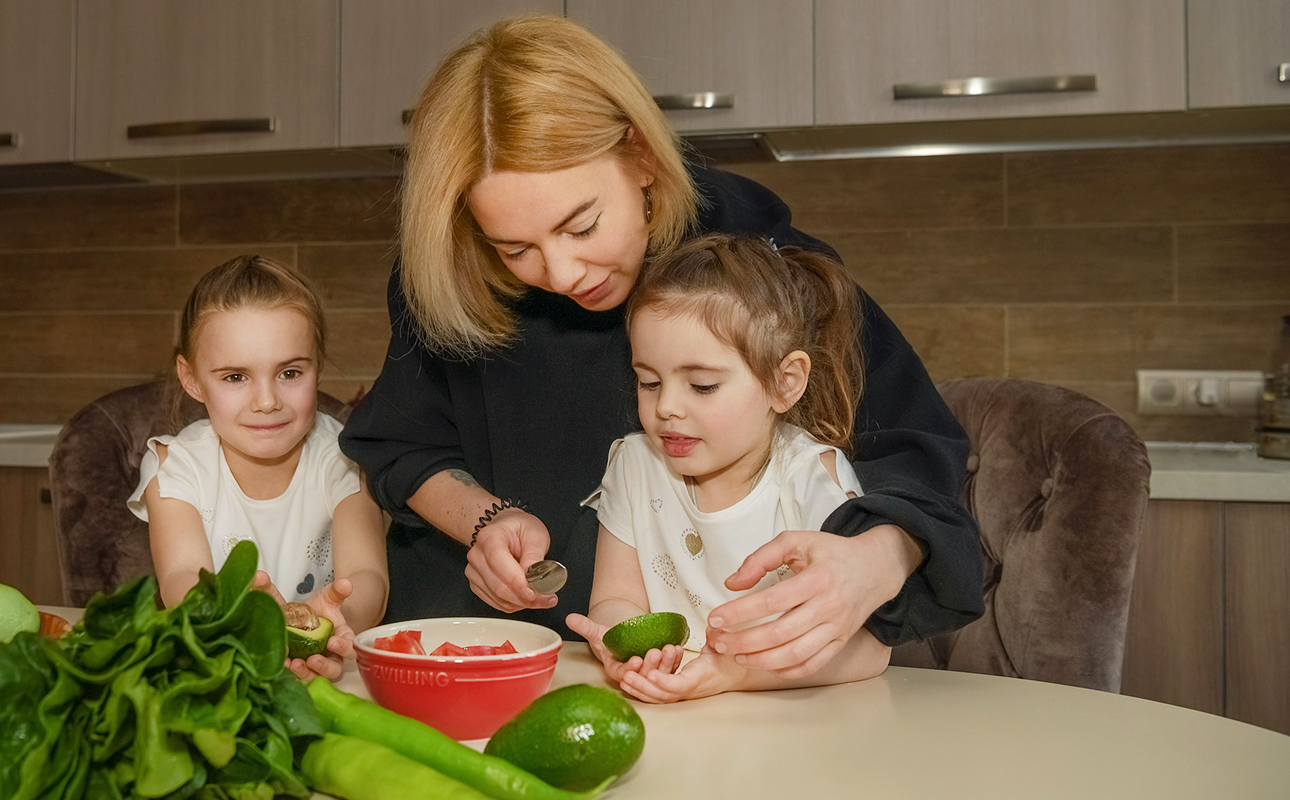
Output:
x,y
649,205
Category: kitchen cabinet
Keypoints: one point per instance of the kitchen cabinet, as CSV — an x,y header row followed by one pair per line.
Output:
x,y
36,80
388,48
1238,53
714,64
171,77
28,543
1040,52
1209,622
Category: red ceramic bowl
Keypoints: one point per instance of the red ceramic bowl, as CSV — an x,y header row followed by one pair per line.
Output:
x,y
466,697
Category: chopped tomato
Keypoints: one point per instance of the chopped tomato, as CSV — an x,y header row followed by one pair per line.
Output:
x,y
402,642
450,649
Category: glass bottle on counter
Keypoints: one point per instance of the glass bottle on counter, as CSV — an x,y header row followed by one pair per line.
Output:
x,y
1274,411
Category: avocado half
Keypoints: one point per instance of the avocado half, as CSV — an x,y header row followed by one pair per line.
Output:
x,y
307,633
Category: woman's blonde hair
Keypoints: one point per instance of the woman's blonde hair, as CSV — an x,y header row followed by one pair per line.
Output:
x,y
534,93
766,303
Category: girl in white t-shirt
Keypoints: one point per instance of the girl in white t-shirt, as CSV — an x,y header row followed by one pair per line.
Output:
x,y
266,465
748,377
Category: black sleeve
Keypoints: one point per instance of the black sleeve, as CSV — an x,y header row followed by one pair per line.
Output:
x,y
910,451
910,456
403,431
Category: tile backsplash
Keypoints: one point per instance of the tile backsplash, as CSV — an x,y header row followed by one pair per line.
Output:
x,y
1074,268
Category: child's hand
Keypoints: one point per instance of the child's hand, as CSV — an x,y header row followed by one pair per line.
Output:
x,y
667,659
326,602
708,674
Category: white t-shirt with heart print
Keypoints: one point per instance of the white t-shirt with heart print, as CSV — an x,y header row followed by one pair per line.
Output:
x,y
292,531
686,554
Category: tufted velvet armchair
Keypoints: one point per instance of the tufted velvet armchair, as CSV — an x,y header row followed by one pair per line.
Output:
x,y
1058,483
94,468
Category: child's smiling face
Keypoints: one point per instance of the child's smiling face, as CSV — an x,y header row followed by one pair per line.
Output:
x,y
256,370
699,403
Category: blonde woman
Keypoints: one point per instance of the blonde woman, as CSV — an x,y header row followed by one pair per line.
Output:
x,y
540,179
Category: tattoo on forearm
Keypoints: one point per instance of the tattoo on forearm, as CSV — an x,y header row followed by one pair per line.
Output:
x,y
463,477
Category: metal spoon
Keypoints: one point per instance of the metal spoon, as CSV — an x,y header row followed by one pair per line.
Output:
x,y
546,577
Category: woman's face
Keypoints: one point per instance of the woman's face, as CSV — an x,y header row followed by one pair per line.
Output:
x,y
579,232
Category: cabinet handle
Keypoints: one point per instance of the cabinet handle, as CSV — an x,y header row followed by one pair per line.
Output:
x,y
693,100
46,497
193,127
8,140
1283,72
975,87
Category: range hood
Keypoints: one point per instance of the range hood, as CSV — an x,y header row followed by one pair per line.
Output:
x,y
1082,132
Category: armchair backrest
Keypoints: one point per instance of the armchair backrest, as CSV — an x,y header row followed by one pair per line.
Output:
x,y
1058,483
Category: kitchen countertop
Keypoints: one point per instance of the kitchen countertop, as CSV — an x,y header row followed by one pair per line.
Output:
x,y
1179,470
929,733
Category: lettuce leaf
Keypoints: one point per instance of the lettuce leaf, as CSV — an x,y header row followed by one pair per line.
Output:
x,y
145,702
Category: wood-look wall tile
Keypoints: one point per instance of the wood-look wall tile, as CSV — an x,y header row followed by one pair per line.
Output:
x,y
1123,399
1245,183
350,276
53,399
111,280
1106,343
344,389
356,344
1106,265
119,216
87,344
868,193
954,341
339,210
1218,263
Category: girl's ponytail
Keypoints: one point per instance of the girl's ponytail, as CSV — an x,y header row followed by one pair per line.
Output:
x,y
765,303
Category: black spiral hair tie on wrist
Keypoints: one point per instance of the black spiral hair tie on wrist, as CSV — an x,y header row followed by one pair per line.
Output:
x,y
492,512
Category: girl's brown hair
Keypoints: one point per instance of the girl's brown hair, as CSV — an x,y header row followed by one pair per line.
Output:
x,y
766,303
534,93
250,281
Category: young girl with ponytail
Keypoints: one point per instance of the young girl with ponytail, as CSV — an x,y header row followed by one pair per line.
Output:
x,y
748,376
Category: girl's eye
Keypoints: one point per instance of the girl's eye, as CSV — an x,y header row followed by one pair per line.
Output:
x,y
235,377
583,234
704,388
291,374
647,386
514,254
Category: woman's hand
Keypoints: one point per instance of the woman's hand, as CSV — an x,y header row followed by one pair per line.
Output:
x,y
837,583
706,675
665,660
504,548
326,602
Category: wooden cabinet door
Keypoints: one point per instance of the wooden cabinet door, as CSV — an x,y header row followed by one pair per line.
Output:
x,y
231,64
866,48
36,80
752,55
1238,53
28,544
1258,614
389,48
1173,650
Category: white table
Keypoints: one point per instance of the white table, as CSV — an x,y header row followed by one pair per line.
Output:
x,y
931,735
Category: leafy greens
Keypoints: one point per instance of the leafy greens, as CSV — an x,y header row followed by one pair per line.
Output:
x,y
187,702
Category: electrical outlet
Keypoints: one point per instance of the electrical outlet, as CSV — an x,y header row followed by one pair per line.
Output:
x,y
1200,393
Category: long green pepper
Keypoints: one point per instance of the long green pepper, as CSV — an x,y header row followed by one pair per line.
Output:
x,y
355,769
346,714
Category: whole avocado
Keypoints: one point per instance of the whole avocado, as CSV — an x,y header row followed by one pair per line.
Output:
x,y
573,737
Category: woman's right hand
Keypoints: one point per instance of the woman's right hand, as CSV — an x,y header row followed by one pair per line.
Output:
x,y
504,548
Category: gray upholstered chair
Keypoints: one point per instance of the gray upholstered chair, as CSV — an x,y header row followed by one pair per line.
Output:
x,y
94,468
1058,483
